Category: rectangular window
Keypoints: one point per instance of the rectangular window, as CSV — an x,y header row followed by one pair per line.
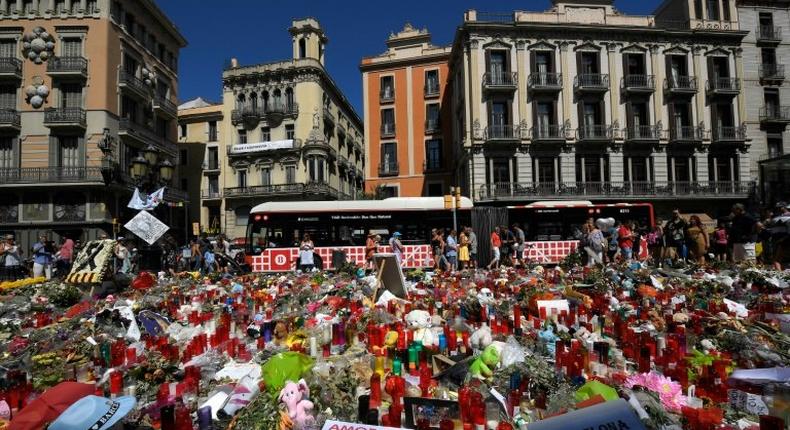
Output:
x,y
242,136
320,170
183,157
431,82
591,168
129,23
544,115
182,130
389,156
387,87
8,97
290,134
27,6
213,185
589,63
6,152
637,169
769,56
266,134
388,121
499,114
774,147
71,95
497,64
432,116
213,158
71,47
266,176
545,172
591,114
130,65
212,131
435,189
68,151
91,6
129,111
8,48
241,179
713,10
433,154
543,63
290,174
60,6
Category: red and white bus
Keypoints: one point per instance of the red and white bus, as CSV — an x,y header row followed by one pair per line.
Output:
x,y
275,229
552,228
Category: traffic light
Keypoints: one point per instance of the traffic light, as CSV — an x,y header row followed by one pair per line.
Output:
x,y
448,202
457,197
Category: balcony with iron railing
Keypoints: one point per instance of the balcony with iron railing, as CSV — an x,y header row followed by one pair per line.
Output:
x,y
686,134
643,133
387,95
724,86
772,72
10,67
591,82
166,107
595,132
211,194
769,34
49,175
389,168
265,190
329,116
681,85
639,83
545,81
433,125
131,82
143,136
775,114
388,129
548,133
503,132
253,114
67,66
499,80
729,134
431,90
10,119
596,190
72,117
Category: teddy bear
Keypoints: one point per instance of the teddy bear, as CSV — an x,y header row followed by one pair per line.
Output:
x,y
483,366
421,323
481,337
294,395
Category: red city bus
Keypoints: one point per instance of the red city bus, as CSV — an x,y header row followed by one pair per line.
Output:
x,y
275,229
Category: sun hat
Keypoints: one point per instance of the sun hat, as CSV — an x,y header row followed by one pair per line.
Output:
x,y
94,413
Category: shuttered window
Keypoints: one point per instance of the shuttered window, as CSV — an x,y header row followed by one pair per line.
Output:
x,y
71,47
7,48
6,152
71,95
7,97
69,149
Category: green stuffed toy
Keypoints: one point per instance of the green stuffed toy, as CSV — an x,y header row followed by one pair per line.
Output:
x,y
482,367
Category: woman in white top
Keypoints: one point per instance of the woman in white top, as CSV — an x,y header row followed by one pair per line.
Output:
x,y
306,248
12,261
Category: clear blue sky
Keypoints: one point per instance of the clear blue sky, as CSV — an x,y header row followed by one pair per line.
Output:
x,y
256,31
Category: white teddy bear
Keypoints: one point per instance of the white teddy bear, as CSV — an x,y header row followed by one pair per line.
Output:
x,y
421,323
481,337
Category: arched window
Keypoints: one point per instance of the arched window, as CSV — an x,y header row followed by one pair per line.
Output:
x,y
265,97
278,102
254,101
289,99
302,48
242,215
240,101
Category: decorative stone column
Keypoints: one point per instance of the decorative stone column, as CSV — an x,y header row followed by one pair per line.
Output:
x,y
658,95
660,168
699,98
614,85
567,83
741,97
522,68
616,166
567,173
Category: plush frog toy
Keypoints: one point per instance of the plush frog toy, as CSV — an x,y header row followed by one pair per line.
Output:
x,y
483,366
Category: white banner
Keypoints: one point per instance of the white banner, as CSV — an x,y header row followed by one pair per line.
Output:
x,y
147,227
151,201
261,146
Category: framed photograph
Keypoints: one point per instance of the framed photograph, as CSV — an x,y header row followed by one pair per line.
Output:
x,y
433,410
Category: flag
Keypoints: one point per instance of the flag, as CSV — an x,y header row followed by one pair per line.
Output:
x,y
151,201
136,202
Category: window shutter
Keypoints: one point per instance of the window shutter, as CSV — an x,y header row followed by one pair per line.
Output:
x,y
532,64
601,112
711,74
488,60
53,151
580,108
579,70
626,69
15,152
629,114
81,149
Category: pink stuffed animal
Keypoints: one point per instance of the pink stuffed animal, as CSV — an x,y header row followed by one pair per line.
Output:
x,y
294,396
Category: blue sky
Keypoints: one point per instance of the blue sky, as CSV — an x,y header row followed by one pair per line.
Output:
x,y
255,31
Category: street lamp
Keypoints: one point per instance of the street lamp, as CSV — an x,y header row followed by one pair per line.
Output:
x,y
139,167
166,169
151,154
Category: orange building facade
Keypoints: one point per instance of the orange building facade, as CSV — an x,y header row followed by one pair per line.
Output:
x,y
407,118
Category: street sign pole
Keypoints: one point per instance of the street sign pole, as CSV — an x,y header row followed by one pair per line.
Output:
x,y
455,208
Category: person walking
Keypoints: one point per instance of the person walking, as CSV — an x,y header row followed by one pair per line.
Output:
x,y
720,241
123,261
437,249
451,251
743,235
614,242
596,243
697,239
470,233
655,243
463,249
197,256
397,247
64,256
496,245
675,233
521,242
42,258
306,250
508,245
10,256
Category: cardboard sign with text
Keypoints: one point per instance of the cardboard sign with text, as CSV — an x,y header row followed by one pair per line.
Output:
x,y
616,414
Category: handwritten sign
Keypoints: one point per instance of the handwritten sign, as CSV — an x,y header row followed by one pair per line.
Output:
x,y
751,403
616,414
339,425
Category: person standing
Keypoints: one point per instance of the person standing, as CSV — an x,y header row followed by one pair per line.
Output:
x,y
306,258
65,256
123,261
12,261
720,241
437,249
521,241
742,234
197,256
397,247
698,239
780,234
675,232
463,249
508,244
472,247
42,258
496,245
625,241
452,251
371,248
655,243
596,243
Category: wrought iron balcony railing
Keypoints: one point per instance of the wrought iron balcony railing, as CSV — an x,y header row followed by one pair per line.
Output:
x,y
69,116
389,168
10,118
503,80
545,81
548,132
44,175
67,65
10,66
771,113
769,33
643,132
686,134
774,72
388,129
595,132
724,85
503,132
729,134
639,83
591,82
681,84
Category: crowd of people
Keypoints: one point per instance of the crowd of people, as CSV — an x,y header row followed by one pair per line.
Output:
x,y
44,259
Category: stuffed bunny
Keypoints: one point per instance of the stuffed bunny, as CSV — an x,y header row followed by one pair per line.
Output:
x,y
295,395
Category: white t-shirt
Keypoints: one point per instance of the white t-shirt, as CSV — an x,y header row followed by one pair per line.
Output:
x,y
306,254
11,255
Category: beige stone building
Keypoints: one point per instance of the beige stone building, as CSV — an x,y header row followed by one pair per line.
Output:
x,y
200,125
583,102
88,92
288,133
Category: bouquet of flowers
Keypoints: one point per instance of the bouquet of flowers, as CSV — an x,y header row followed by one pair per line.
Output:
x,y
668,391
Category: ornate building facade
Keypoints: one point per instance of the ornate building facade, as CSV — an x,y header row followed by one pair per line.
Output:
x,y
88,92
407,131
289,132
583,103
